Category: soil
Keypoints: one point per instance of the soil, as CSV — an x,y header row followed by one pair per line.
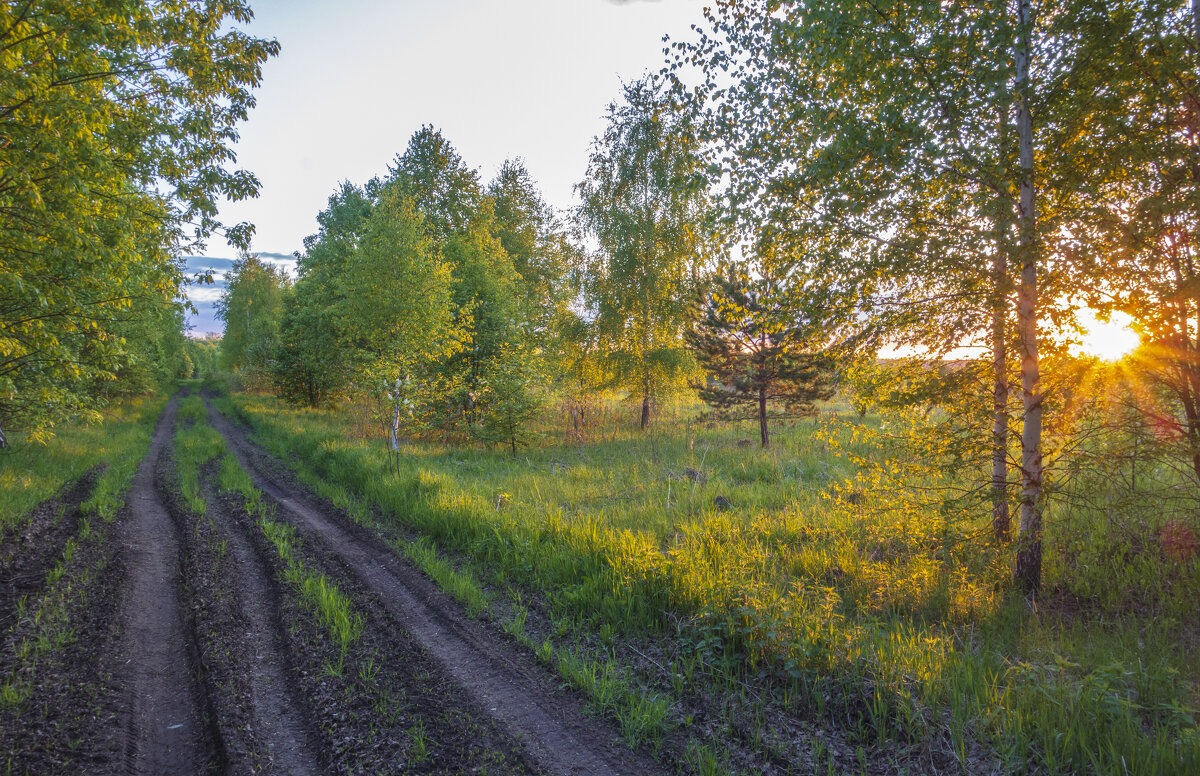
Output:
x,y
26,557
556,735
68,723
188,650
164,725
232,607
383,706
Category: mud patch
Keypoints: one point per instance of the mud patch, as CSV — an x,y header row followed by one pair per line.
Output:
x,y
383,706
232,607
164,728
69,722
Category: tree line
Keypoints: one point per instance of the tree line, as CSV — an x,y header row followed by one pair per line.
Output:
x,y
455,306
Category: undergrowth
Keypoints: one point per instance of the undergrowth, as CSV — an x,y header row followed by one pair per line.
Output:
x,y
31,472
891,621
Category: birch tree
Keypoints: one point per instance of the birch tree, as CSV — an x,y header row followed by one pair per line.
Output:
x,y
893,146
645,201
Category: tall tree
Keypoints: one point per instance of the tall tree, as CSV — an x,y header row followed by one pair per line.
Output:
x,y
486,296
645,200
1140,253
117,125
251,307
439,183
1028,570
313,361
893,147
541,250
397,309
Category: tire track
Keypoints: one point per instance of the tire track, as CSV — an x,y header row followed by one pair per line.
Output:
x,y
275,707
556,734
164,725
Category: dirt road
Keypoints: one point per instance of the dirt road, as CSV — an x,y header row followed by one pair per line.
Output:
x,y
163,724
556,734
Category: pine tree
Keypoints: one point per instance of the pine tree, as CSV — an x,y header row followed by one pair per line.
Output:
x,y
756,348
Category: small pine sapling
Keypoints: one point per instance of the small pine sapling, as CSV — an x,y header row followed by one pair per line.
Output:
x,y
756,349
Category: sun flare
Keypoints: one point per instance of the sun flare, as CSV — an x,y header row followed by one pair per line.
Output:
x,y
1109,340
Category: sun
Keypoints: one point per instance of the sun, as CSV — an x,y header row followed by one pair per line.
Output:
x,y
1109,340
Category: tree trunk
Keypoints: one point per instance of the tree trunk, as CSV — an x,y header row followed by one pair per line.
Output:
x,y
1028,571
1189,382
646,403
762,416
1001,519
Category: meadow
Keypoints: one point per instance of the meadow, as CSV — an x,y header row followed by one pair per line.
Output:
x,y
32,471
783,567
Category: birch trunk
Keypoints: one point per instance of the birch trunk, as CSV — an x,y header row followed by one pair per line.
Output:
x,y
1028,571
1001,519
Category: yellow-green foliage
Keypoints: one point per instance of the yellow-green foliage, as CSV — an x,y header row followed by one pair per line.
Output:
x,y
31,472
901,615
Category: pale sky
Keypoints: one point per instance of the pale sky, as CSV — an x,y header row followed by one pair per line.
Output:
x,y
356,78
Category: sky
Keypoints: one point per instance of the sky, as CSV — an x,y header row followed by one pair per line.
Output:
x,y
354,79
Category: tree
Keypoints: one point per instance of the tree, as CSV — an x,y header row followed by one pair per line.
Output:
x,y
312,362
511,398
542,253
251,308
645,201
893,148
485,294
441,186
396,309
203,354
308,365
1142,241
117,125
756,346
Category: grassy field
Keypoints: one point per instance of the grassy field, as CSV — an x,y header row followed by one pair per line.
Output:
x,y
31,472
885,619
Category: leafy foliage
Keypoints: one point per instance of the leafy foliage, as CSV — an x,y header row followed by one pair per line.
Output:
x,y
117,122
250,308
645,200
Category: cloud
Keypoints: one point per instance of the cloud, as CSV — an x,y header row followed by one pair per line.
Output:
x,y
220,266
205,293
278,258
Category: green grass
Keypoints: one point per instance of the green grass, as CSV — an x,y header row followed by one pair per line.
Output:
x,y
196,443
331,608
31,472
886,617
457,582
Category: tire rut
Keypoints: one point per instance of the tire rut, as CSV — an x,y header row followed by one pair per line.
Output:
x,y
30,553
556,734
276,709
164,726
